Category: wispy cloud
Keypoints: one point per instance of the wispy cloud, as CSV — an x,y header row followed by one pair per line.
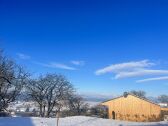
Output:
x,y
78,62
134,69
23,56
56,65
115,68
153,79
141,72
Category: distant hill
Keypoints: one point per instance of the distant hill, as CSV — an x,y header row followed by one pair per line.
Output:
x,y
96,97
100,97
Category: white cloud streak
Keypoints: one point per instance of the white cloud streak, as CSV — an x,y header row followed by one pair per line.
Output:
x,y
138,73
115,68
78,63
153,79
23,56
56,65
134,69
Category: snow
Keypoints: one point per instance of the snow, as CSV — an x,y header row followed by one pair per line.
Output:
x,y
72,121
21,106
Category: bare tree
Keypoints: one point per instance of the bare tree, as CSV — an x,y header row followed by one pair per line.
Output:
x,y
99,111
12,80
50,91
141,94
163,98
76,105
37,90
59,91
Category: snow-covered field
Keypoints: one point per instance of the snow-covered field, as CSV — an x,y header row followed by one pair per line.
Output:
x,y
72,121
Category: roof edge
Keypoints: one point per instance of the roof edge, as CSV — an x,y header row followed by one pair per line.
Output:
x,y
134,96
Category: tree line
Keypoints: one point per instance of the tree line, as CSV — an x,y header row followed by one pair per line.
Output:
x,y
52,92
142,94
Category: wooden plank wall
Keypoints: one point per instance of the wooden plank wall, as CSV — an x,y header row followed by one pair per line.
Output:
x,y
133,109
164,111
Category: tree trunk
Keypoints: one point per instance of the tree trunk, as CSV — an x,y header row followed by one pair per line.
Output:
x,y
44,111
48,111
57,116
48,114
41,111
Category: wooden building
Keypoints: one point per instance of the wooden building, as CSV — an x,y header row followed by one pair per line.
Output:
x,y
133,108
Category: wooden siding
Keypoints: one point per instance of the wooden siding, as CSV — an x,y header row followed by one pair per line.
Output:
x,y
164,111
133,109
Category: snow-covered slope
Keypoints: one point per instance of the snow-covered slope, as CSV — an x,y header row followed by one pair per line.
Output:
x,y
71,121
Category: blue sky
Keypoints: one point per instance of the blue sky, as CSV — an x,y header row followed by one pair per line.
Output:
x,y
105,47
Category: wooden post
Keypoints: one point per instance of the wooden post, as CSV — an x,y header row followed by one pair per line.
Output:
x,y
57,116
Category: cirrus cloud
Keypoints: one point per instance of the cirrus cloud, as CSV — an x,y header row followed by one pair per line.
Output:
x,y
56,65
23,56
115,68
141,72
134,69
153,79
78,62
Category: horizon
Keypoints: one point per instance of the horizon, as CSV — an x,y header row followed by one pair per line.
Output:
x,y
102,48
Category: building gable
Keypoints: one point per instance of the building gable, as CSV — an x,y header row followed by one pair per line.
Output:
x,y
143,99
